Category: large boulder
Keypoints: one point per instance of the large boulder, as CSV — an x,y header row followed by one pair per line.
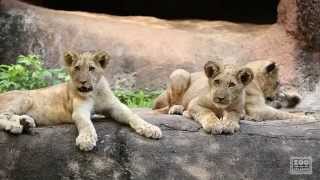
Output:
x,y
145,50
262,150
301,20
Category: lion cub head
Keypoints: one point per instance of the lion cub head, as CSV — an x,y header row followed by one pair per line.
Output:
x,y
266,76
85,69
226,82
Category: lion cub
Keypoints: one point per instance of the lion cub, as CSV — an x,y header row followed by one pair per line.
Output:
x,y
264,86
215,98
72,102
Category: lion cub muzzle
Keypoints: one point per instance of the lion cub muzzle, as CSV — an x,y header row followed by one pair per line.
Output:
x,y
84,89
219,100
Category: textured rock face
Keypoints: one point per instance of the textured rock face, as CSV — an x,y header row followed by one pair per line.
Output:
x,y
309,22
301,20
146,50
260,151
251,11
287,16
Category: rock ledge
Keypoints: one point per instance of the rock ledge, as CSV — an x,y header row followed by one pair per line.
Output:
x,y
261,150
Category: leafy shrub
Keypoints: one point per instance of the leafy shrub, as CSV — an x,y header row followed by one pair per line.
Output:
x,y
136,99
29,73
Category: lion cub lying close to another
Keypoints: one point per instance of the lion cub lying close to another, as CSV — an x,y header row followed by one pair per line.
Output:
x,y
215,98
264,86
183,87
72,102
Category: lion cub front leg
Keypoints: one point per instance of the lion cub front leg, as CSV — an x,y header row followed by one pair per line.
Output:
x,y
231,121
121,113
87,137
207,118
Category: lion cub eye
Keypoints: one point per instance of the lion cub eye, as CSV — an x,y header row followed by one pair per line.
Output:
x,y
216,82
91,68
77,68
232,84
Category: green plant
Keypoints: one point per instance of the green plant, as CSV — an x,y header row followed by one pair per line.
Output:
x,y
29,73
136,99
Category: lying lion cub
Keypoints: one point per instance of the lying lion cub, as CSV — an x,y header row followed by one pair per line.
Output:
x,y
265,85
73,102
215,98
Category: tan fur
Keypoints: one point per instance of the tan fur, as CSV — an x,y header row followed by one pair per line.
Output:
x,y
264,85
73,102
214,98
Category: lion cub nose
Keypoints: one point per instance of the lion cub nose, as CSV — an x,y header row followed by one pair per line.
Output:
x,y
83,82
218,99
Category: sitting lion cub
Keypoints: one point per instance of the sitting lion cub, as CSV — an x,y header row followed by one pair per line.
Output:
x,y
215,98
73,102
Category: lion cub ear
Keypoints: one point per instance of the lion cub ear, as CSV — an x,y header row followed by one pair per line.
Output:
x,y
212,69
69,57
271,67
102,58
245,76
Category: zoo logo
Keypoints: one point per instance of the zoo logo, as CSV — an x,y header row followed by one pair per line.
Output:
x,y
300,165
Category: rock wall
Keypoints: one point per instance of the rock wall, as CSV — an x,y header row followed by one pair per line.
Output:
x,y
260,151
309,23
250,11
301,20
146,50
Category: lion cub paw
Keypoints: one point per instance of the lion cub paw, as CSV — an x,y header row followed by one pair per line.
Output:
x,y
86,141
27,122
12,124
176,110
252,118
14,127
15,124
231,127
150,131
214,128
186,114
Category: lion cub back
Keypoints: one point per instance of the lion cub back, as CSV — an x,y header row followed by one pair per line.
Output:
x,y
198,85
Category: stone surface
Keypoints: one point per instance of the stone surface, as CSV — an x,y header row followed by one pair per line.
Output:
x,y
309,22
145,50
250,11
301,20
287,16
262,150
